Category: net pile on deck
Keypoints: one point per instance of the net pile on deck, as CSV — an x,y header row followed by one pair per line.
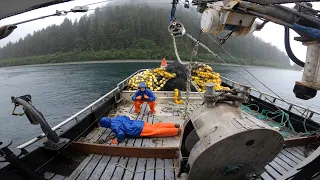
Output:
x,y
174,76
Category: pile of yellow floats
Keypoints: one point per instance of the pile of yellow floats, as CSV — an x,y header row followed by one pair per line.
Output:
x,y
155,79
201,74
177,97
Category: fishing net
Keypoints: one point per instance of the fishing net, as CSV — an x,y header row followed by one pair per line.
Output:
x,y
181,77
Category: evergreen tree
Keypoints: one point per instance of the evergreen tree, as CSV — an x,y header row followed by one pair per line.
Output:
x,y
138,29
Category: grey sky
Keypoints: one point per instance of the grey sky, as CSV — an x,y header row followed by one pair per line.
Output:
x,y
271,33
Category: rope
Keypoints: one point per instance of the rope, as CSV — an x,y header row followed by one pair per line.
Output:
x,y
268,115
176,51
244,69
117,165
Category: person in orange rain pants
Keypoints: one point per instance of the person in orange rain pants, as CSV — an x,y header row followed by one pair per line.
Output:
x,y
143,94
123,126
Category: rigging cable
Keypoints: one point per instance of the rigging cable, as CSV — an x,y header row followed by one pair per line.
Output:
x,y
246,71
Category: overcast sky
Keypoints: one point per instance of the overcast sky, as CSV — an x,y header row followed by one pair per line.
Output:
x,y
271,33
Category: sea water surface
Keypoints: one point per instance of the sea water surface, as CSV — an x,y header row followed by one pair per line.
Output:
x,y
59,91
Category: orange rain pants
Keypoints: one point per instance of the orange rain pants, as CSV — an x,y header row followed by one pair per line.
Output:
x,y
137,104
159,130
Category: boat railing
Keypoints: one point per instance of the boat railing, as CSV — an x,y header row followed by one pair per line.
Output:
x,y
87,110
290,106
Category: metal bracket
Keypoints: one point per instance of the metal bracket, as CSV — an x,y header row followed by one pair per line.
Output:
x,y
55,146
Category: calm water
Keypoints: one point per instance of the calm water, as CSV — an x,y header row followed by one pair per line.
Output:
x,y
60,91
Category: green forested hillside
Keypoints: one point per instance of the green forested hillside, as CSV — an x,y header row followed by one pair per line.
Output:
x,y
131,32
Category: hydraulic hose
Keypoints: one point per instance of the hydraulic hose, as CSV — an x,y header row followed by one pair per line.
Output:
x,y
32,111
288,48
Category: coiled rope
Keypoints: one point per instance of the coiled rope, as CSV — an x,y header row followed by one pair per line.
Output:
x,y
269,117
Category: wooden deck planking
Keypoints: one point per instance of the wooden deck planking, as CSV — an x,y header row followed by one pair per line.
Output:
x,y
169,171
159,174
273,172
85,174
108,169
90,135
266,176
298,153
277,167
80,168
119,171
149,175
287,160
131,166
298,150
282,163
291,156
108,172
141,166
104,136
99,169
99,133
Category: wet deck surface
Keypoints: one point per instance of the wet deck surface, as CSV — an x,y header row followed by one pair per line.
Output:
x,y
113,167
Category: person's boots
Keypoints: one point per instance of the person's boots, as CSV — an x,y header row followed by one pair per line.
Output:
x,y
152,106
136,107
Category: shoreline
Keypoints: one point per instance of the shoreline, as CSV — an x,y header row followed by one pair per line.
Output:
x,y
106,62
133,61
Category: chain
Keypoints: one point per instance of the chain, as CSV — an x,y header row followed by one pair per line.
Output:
x,y
189,68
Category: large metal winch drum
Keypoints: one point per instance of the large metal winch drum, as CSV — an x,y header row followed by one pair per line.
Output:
x,y
225,143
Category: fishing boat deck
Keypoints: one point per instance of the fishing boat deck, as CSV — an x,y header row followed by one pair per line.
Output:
x,y
105,167
115,167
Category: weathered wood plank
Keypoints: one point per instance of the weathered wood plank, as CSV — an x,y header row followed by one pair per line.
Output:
x,y
277,167
266,176
294,142
159,175
131,166
299,151
96,174
282,164
90,135
149,175
168,173
58,177
291,156
119,171
272,172
97,135
108,172
80,168
287,160
103,137
85,174
141,152
293,152
141,166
